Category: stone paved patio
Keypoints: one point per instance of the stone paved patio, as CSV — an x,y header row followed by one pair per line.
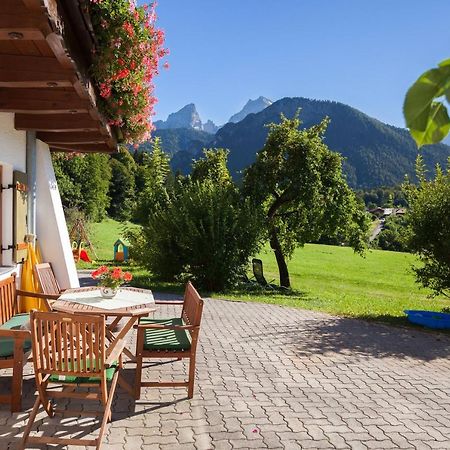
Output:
x,y
274,377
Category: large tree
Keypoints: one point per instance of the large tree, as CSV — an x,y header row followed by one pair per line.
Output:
x,y
84,182
152,179
299,183
212,166
121,192
429,228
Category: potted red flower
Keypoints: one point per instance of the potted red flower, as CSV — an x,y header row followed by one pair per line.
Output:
x,y
110,280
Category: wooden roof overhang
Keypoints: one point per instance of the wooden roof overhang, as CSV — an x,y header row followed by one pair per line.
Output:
x,y
45,54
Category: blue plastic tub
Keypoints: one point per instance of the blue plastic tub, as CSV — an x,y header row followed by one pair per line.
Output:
x,y
429,319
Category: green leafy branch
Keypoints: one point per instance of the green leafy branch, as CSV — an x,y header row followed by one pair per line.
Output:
x,y
424,109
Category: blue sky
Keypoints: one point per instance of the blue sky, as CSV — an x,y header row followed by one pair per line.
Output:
x,y
361,52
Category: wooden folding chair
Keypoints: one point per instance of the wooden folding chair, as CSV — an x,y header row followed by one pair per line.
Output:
x,y
170,338
258,273
48,283
70,350
15,339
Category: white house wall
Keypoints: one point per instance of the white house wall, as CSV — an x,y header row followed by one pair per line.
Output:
x,y
12,157
51,225
50,221
12,143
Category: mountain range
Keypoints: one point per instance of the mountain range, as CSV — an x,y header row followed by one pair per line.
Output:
x,y
189,118
186,117
376,154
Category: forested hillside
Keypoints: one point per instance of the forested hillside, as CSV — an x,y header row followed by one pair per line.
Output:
x,y
176,140
376,154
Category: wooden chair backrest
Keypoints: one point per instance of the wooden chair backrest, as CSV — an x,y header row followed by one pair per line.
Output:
x,y
192,306
63,343
47,280
8,299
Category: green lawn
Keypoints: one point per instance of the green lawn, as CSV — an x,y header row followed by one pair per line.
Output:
x,y
324,278
334,279
103,235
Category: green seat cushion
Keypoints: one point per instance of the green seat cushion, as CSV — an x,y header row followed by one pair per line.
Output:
x,y
7,343
166,339
80,380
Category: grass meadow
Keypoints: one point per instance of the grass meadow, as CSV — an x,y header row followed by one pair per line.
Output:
x,y
378,286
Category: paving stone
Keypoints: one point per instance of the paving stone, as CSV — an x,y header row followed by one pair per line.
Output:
x,y
222,445
317,444
384,444
245,443
203,441
356,445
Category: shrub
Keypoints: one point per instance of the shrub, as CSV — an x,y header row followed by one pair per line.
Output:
x,y
205,233
429,228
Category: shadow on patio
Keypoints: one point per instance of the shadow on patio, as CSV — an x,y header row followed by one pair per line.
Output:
x,y
320,335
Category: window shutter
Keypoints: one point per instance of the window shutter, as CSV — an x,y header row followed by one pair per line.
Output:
x,y
1,215
20,216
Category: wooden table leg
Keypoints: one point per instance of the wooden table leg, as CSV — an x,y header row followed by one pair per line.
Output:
x,y
110,336
114,339
114,323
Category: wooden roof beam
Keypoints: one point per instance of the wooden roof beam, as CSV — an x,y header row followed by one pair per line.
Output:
x,y
72,45
56,122
14,7
62,25
33,71
68,138
42,101
27,27
83,148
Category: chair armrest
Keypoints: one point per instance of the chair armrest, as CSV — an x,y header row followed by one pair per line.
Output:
x,y
169,302
165,327
16,334
37,295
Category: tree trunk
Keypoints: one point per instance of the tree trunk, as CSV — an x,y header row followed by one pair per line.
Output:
x,y
282,266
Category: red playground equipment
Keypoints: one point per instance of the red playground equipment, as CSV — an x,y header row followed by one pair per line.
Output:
x,y
82,254
79,239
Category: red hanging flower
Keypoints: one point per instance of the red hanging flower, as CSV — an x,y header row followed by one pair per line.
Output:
x,y
126,62
128,27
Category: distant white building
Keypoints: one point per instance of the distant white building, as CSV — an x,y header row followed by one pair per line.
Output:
x,y
386,212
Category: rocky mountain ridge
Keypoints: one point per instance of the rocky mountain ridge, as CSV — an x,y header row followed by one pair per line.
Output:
x,y
251,107
187,117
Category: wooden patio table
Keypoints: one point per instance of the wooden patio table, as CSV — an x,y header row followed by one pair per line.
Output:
x,y
129,304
